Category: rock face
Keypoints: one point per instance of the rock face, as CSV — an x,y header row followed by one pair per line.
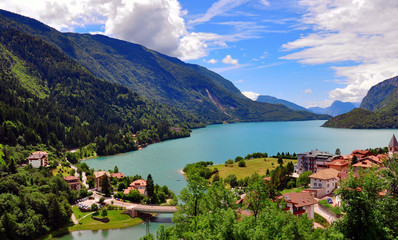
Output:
x,y
381,95
337,108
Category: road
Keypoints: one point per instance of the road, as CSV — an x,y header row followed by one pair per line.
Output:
x,y
330,218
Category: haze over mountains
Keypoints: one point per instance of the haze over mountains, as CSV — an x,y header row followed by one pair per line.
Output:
x,y
274,100
157,77
337,108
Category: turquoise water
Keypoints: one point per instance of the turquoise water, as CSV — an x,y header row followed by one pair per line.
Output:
x,y
218,143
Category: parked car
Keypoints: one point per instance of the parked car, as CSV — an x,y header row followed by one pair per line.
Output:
x,y
330,201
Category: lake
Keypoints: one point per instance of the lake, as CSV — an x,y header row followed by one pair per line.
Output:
x,y
218,143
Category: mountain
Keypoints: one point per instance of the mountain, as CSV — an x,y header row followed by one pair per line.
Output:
x,y
381,95
379,109
48,98
337,108
274,100
155,76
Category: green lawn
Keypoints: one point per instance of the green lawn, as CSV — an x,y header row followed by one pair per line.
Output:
x,y
256,165
298,189
117,220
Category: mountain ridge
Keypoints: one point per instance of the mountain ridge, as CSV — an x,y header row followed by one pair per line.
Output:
x,y
274,100
156,76
336,108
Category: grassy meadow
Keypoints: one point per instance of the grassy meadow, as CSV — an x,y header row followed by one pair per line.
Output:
x,y
256,165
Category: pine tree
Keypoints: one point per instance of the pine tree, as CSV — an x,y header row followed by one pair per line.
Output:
x,y
149,186
354,160
105,187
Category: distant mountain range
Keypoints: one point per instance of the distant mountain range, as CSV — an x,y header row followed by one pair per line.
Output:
x,y
167,80
274,100
379,109
337,108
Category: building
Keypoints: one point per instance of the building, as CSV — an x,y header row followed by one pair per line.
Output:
x,y
311,161
363,165
73,182
323,182
300,203
339,165
393,146
140,185
38,159
99,176
118,175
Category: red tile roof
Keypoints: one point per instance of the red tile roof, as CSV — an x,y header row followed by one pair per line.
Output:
x,y
139,182
118,175
300,199
328,173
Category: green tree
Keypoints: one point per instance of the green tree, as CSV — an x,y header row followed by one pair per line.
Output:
x,y
257,195
104,212
242,163
192,196
232,180
105,186
361,203
121,186
338,152
354,160
238,158
303,179
280,161
116,169
94,207
150,186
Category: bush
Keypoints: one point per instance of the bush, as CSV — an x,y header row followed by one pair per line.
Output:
x,y
104,212
101,200
94,207
242,163
229,161
238,158
321,220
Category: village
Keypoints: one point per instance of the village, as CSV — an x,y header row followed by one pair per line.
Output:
x,y
327,171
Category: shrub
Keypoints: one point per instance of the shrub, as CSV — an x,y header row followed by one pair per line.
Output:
x,y
94,207
242,163
238,158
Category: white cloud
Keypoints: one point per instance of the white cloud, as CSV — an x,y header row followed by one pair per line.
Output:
x,y
308,91
156,24
322,104
359,31
212,61
216,9
264,2
229,60
252,95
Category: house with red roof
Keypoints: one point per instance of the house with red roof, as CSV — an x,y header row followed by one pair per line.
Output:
x,y
323,182
139,185
118,175
73,182
99,177
300,203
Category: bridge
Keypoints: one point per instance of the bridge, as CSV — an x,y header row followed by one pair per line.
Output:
x,y
135,209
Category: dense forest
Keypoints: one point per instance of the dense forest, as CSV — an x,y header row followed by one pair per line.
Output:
x,y
47,98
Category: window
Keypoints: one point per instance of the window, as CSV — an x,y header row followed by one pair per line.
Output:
x,y
320,185
315,184
328,185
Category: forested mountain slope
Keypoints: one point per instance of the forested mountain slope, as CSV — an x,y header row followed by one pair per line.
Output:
x,y
46,97
274,100
155,76
379,109
381,95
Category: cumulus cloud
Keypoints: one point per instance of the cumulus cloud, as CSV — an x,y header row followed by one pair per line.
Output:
x,y
360,31
252,95
308,91
212,61
229,60
156,24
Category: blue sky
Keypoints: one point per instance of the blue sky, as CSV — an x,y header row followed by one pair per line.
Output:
x,y
310,52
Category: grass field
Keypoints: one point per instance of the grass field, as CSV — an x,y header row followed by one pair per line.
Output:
x,y
64,171
117,220
256,165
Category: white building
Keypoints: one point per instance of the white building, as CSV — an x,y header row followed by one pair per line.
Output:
x,y
324,182
309,161
38,159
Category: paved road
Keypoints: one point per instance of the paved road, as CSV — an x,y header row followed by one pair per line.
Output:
x,y
330,218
